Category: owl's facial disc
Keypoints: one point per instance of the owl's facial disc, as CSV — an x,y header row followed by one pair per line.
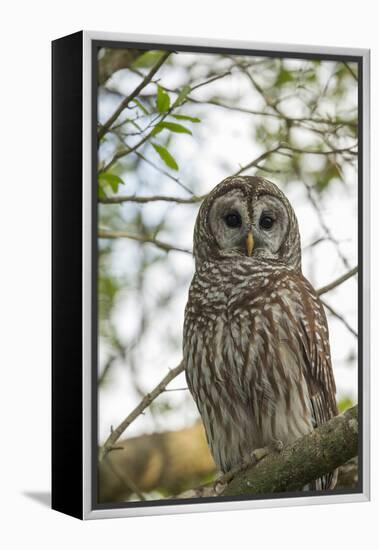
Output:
x,y
258,231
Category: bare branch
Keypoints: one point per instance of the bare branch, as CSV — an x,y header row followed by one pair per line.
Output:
x,y
350,71
294,120
338,281
152,198
103,234
125,152
255,162
164,172
317,152
146,401
323,224
217,77
340,318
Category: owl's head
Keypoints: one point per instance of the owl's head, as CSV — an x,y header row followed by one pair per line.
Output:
x,y
247,216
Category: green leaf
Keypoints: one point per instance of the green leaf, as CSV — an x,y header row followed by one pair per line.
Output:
x,y
330,172
182,95
166,156
101,193
345,403
173,127
186,117
111,180
139,104
163,100
147,59
156,130
284,76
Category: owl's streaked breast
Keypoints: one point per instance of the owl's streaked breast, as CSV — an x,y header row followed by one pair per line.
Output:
x,y
234,369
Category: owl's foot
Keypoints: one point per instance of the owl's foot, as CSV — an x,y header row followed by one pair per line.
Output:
x,y
252,460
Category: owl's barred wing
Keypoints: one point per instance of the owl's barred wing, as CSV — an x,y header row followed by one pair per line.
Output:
x,y
319,374
288,361
289,335
312,330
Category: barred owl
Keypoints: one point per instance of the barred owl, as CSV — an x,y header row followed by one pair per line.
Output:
x,y
256,343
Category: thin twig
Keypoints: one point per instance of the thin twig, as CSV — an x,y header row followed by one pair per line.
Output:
x,y
217,77
338,281
351,71
255,162
317,152
152,198
128,150
124,104
340,318
164,172
291,120
104,234
324,225
146,401
151,163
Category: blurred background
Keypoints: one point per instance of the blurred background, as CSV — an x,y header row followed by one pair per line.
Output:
x,y
172,125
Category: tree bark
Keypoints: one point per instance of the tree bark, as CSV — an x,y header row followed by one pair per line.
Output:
x,y
310,457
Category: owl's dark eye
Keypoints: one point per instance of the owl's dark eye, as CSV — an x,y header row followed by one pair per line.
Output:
x,y
266,222
233,219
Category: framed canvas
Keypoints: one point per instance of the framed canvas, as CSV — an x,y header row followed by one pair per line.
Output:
x,y
210,275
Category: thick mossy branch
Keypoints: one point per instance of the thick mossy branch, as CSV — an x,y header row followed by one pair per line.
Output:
x,y
318,453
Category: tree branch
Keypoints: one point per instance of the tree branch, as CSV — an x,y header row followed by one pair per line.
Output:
x,y
152,198
146,401
340,318
255,162
103,234
124,104
338,281
310,457
164,172
294,120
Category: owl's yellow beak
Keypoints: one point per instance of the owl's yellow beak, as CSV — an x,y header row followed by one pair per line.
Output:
x,y
249,243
